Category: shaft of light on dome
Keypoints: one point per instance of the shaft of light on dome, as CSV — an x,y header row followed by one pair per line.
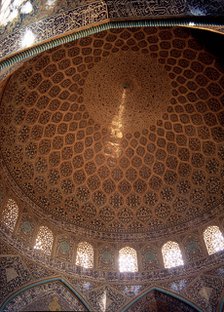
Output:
x,y
117,126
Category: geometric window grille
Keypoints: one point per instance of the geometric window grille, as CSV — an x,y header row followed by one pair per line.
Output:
x,y
172,256
44,240
85,255
214,239
128,260
10,214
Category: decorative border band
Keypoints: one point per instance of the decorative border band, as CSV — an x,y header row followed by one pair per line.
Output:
x,y
42,282
35,50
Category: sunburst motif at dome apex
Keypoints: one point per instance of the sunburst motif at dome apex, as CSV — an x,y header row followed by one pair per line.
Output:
x,y
113,161
131,89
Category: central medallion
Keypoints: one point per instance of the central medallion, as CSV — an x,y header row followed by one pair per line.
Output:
x,y
131,88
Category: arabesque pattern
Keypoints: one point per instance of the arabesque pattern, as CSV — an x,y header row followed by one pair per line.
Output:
x,y
105,176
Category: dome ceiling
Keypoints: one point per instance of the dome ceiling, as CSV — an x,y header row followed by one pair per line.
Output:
x,y
118,132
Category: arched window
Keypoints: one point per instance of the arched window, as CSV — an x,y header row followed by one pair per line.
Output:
x,y
85,255
214,239
10,214
128,260
44,240
172,256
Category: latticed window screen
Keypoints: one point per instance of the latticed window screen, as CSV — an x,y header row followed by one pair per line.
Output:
x,y
44,240
172,256
128,260
85,255
10,214
214,239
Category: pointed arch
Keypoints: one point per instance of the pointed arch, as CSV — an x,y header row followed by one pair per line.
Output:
x,y
10,215
137,304
85,255
172,256
44,240
128,261
9,300
221,303
214,239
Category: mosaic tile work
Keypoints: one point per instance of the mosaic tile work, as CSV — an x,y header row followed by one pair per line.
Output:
x,y
156,8
106,299
178,286
206,291
111,273
64,249
105,295
13,274
202,7
47,20
38,271
106,258
26,228
133,8
193,248
52,296
108,177
149,257
54,25
158,301
128,182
